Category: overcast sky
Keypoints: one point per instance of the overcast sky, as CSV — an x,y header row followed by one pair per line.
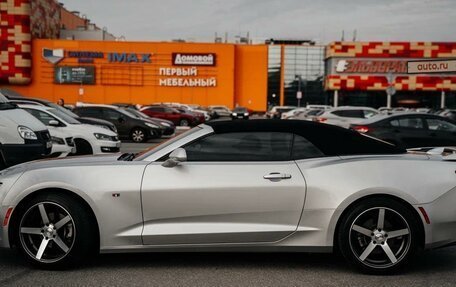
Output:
x,y
321,20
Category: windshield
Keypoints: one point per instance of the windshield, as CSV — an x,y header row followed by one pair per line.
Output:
x,y
240,110
129,113
146,153
138,114
63,110
5,104
64,117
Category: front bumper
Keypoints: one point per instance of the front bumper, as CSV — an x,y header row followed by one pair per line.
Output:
x,y
104,147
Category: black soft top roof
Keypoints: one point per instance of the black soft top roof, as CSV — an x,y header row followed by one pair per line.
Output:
x,y
331,140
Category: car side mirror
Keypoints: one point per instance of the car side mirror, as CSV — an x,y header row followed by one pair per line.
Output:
x,y
54,123
175,158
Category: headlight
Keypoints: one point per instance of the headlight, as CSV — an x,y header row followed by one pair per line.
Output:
x,y
152,125
165,124
103,137
26,133
246,114
57,140
234,114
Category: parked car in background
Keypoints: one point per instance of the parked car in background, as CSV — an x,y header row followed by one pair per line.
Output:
x,y
308,115
167,127
220,111
277,111
345,116
62,142
22,137
410,130
319,107
87,138
292,113
451,114
240,113
129,126
172,114
84,120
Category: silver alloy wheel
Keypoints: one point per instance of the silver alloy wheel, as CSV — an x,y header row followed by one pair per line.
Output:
x,y
380,237
184,123
47,232
138,136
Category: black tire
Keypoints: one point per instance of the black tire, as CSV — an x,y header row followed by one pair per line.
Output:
x,y
83,147
184,123
138,135
79,234
365,242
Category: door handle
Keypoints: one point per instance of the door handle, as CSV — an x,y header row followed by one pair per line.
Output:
x,y
277,176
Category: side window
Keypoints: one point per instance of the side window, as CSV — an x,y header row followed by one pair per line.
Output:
x,y
45,118
256,146
350,113
111,115
303,149
440,125
408,123
88,112
156,109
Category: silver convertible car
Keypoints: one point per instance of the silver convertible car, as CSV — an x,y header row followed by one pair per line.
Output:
x,y
257,186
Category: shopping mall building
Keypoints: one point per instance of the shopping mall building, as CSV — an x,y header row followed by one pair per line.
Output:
x,y
62,55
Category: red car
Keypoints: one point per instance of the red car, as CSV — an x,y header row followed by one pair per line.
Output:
x,y
171,114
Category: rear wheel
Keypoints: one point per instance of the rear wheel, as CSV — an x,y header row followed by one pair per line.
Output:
x,y
83,147
54,231
138,135
379,236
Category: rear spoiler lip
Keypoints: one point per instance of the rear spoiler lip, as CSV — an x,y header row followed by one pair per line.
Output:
x,y
447,153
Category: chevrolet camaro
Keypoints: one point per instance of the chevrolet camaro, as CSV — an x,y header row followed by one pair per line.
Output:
x,y
257,186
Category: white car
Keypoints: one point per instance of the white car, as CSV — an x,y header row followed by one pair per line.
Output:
x,y
62,142
88,139
293,113
345,116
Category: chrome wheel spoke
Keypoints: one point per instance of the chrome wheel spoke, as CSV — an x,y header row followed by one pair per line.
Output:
x,y
31,230
389,253
398,233
381,218
362,230
41,249
43,213
62,222
61,244
368,251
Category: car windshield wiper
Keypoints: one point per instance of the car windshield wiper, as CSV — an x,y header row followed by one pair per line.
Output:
x,y
127,157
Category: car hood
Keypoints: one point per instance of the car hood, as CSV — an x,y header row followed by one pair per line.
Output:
x,y
95,120
86,129
64,162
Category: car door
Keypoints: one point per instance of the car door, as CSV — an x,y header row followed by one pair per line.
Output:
x,y
233,188
410,131
121,121
441,132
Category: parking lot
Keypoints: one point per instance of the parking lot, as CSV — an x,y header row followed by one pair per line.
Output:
x,y
436,268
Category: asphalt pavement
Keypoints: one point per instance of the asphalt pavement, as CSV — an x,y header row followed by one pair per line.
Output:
x,y
433,268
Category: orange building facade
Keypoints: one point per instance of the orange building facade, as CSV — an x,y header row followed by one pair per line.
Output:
x,y
147,72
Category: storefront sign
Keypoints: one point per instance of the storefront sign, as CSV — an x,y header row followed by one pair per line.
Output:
x,y
85,57
74,75
435,66
186,59
129,58
371,66
184,77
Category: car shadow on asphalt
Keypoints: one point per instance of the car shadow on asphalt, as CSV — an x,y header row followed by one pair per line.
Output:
x,y
429,262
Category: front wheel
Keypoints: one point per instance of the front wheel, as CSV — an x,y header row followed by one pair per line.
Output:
x,y
138,135
184,123
379,236
54,231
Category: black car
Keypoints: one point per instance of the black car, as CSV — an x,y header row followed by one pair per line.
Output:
x,y
129,126
411,130
84,120
168,127
240,113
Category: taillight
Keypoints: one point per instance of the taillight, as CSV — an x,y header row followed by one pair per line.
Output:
x,y
320,120
361,129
